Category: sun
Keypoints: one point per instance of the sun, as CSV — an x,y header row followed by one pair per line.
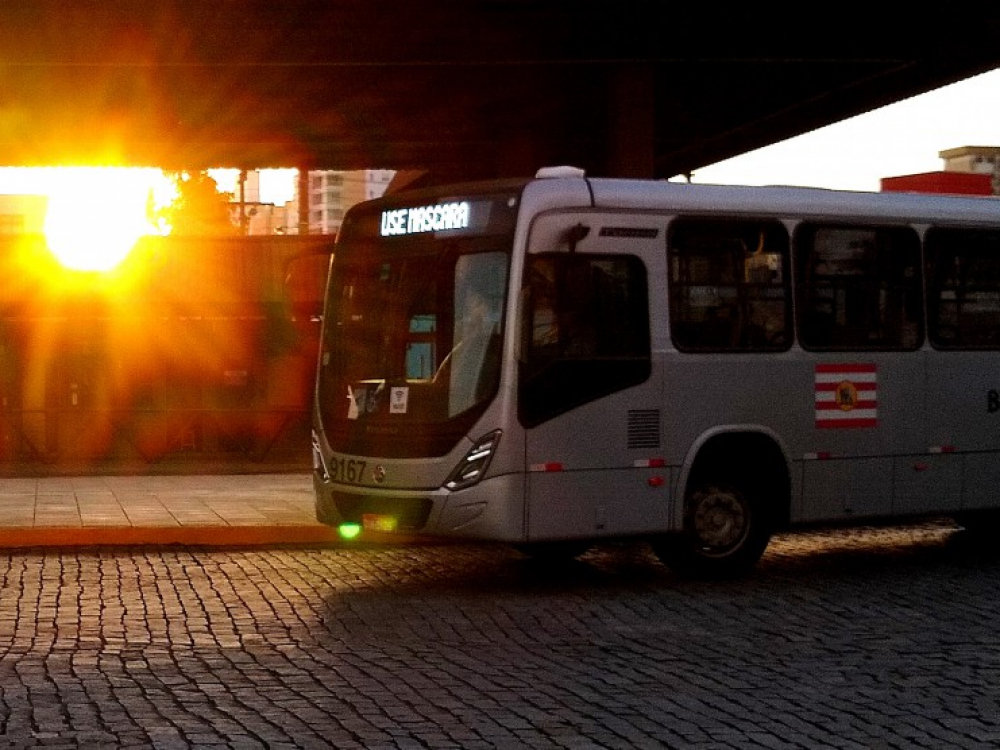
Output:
x,y
97,214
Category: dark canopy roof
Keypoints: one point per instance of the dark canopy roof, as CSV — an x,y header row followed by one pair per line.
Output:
x,y
456,88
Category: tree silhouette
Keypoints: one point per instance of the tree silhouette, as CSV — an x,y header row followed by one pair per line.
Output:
x,y
200,208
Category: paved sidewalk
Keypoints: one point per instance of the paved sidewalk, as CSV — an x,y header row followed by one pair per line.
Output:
x,y
212,510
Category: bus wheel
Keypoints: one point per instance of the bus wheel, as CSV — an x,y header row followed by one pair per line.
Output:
x,y
568,549
725,533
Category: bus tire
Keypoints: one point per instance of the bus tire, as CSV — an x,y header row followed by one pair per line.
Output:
x,y
725,532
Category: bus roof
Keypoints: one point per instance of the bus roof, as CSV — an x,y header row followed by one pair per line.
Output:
x,y
782,201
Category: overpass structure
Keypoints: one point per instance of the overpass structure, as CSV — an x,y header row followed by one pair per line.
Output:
x,y
453,89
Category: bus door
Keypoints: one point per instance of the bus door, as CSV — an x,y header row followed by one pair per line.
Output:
x,y
589,391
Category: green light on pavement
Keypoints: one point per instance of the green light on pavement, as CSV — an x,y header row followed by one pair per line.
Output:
x,y
349,530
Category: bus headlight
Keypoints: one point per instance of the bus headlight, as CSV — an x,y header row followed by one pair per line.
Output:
x,y
471,468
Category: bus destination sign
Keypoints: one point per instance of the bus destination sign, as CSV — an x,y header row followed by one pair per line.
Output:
x,y
440,217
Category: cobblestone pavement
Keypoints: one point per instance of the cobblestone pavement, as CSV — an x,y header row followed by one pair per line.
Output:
x,y
882,638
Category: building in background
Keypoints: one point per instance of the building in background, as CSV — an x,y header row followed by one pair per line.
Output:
x,y
968,170
257,218
972,159
332,192
254,216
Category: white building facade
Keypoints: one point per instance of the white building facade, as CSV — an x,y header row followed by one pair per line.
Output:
x,y
332,192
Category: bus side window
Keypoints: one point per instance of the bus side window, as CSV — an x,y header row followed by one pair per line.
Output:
x,y
963,272
859,287
729,285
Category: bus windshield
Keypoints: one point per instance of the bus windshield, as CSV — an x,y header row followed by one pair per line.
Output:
x,y
412,341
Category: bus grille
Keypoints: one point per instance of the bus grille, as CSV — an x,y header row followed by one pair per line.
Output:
x,y
644,428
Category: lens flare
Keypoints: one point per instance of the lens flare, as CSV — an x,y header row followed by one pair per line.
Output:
x,y
97,214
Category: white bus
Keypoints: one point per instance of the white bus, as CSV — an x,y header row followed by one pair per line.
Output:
x,y
556,361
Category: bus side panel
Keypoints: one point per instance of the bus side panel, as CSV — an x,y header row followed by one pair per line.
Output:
x,y
594,503
855,468
843,488
981,481
963,421
927,484
770,393
586,481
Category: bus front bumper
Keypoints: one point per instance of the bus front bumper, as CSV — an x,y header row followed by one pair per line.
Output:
x,y
492,509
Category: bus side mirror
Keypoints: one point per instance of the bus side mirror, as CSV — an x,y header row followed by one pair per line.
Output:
x,y
574,234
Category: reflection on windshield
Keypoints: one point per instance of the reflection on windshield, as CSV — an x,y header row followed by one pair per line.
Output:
x,y
474,365
412,339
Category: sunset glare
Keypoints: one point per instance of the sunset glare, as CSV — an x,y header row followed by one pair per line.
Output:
x,y
96,214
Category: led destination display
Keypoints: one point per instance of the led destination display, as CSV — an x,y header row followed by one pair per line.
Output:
x,y
433,218
418,219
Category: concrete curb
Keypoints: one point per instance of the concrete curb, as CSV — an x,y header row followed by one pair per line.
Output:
x,y
194,536
200,536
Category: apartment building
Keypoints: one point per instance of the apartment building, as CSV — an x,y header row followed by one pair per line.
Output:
x,y
332,192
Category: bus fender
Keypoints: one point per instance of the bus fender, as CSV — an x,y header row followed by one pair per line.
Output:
x,y
724,432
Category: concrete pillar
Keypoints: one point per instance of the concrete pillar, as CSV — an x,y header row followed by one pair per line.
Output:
x,y
632,95
303,200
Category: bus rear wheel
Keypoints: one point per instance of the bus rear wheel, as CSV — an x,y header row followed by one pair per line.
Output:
x,y
725,533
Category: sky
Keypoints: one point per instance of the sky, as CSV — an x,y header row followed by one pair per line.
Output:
x,y
899,139
276,185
